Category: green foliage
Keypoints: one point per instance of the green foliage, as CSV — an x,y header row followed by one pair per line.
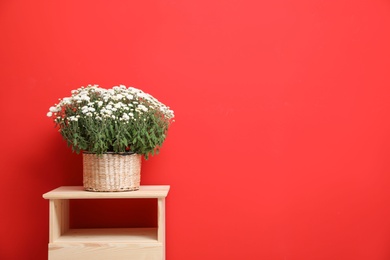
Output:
x,y
117,120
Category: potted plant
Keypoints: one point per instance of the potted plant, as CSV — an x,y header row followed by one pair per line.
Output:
x,y
113,128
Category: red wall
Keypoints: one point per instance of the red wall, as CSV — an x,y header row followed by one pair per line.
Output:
x,y
280,149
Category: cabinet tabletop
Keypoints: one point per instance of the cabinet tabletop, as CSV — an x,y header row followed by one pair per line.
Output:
x,y
78,192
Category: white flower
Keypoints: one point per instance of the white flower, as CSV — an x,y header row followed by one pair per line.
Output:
x,y
125,117
143,108
119,107
134,90
143,95
54,109
85,97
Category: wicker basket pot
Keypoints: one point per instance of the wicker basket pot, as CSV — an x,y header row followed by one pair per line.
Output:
x,y
111,171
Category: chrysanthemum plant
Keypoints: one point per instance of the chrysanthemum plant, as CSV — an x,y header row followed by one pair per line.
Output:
x,y
118,120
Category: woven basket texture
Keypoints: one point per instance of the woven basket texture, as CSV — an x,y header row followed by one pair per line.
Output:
x,y
111,172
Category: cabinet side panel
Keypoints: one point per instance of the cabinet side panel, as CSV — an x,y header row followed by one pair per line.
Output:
x,y
59,218
161,219
161,223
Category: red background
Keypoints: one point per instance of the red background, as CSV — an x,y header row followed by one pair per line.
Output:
x,y
280,149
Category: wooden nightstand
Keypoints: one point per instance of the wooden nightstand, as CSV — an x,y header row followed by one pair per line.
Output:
x,y
104,243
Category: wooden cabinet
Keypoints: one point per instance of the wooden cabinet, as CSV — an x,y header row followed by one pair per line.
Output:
x,y
104,243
